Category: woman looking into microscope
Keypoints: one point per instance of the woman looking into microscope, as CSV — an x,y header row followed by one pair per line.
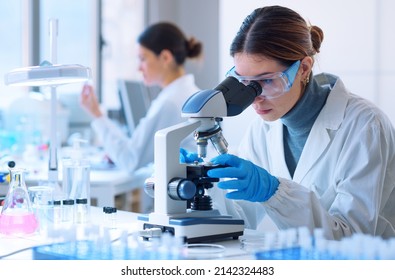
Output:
x,y
316,155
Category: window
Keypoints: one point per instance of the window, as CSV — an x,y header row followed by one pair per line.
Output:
x,y
11,47
122,22
100,34
76,36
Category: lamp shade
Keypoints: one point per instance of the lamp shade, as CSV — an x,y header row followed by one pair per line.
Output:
x,y
48,74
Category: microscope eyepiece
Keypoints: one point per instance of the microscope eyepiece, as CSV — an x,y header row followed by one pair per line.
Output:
x,y
237,95
256,87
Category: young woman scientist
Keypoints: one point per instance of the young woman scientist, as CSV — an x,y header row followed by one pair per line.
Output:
x,y
163,50
316,155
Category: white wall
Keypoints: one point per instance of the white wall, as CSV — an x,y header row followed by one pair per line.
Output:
x,y
358,46
197,19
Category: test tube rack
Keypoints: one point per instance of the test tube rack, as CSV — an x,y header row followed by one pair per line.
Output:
x,y
298,244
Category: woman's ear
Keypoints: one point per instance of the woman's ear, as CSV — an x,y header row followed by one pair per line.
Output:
x,y
306,66
166,56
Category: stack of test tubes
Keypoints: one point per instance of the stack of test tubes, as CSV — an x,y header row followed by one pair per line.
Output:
x,y
97,244
299,244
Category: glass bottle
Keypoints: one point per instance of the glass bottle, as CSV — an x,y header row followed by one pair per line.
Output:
x,y
17,215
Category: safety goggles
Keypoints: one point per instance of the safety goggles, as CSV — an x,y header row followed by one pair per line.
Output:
x,y
273,84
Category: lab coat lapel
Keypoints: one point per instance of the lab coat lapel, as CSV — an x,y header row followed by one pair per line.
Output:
x,y
276,148
330,118
315,145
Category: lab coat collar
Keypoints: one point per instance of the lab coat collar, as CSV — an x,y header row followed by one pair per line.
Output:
x,y
332,114
184,81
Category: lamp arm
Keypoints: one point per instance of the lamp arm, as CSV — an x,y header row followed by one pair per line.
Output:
x,y
53,160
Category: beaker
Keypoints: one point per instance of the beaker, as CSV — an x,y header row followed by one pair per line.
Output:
x,y
17,215
41,198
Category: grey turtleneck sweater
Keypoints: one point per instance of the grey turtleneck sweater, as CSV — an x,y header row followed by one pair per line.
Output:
x,y
300,119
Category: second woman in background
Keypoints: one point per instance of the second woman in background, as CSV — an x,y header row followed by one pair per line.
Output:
x,y
162,51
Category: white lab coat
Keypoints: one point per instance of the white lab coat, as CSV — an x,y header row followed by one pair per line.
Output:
x,y
138,150
344,181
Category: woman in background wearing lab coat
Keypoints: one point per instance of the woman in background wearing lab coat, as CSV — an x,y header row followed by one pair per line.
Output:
x,y
163,50
316,155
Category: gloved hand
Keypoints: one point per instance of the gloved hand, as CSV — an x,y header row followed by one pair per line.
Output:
x,y
249,181
187,157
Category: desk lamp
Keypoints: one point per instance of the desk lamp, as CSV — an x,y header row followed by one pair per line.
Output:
x,y
48,73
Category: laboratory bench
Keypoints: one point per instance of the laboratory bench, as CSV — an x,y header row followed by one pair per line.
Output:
x,y
25,247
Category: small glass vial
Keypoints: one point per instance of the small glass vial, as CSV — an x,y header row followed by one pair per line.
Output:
x,y
110,217
57,212
82,213
68,211
114,218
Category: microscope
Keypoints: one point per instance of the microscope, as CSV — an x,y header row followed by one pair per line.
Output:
x,y
181,205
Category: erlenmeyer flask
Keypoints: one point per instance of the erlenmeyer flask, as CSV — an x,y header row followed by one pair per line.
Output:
x,y
17,216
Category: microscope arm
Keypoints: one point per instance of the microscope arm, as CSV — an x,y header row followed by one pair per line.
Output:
x,y
168,166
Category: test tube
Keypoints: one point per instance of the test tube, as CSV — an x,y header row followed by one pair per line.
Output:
x,y
68,211
57,212
81,210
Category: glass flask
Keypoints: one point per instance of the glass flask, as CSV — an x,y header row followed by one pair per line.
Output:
x,y
17,215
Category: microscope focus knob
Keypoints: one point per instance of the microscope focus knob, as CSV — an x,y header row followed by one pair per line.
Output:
x,y
149,186
181,189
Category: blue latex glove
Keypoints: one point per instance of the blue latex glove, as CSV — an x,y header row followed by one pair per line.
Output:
x,y
187,157
251,182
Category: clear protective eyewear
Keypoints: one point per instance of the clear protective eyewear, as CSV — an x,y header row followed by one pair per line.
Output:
x,y
273,84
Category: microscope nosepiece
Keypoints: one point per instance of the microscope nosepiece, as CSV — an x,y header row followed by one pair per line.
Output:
x,y
217,139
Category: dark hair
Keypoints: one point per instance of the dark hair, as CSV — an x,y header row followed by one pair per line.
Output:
x,y
165,35
278,33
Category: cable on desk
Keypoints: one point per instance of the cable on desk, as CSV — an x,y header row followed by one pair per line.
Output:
x,y
17,252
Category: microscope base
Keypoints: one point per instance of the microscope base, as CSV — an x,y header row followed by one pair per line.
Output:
x,y
199,229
